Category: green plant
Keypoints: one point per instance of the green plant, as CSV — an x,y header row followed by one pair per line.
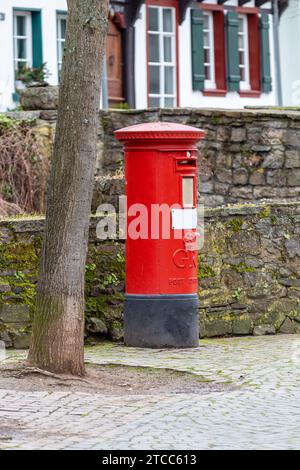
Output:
x,y
111,279
243,268
120,257
20,276
265,213
90,267
29,75
237,294
6,122
236,224
121,105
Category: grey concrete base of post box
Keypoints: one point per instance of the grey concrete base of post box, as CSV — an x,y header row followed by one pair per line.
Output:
x,y
161,321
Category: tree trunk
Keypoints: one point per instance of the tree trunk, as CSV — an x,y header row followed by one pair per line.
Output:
x,y
58,325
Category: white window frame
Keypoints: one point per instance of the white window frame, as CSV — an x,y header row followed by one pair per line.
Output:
x,y
244,84
161,64
210,84
27,38
59,40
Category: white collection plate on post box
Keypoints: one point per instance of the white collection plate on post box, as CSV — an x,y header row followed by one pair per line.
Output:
x,y
184,219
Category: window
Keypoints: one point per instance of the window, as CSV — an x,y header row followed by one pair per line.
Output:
x,y
22,31
208,45
61,37
243,52
188,191
162,56
208,50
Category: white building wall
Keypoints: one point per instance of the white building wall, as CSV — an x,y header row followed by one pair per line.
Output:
x,y
289,32
49,8
140,60
188,97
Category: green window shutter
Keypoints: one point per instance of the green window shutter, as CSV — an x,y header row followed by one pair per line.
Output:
x,y
198,75
266,79
232,39
37,39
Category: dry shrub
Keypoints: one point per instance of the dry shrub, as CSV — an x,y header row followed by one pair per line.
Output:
x,y
24,166
8,209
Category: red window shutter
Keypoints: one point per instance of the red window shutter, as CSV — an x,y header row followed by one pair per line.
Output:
x,y
220,54
254,51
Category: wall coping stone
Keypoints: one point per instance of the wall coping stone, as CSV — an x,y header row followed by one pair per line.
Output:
x,y
36,223
293,114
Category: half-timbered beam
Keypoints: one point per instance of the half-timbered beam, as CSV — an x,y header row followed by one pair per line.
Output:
x,y
183,6
259,3
133,8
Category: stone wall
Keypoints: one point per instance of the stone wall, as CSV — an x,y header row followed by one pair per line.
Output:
x,y
249,275
248,155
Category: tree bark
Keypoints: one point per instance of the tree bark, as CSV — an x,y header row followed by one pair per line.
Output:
x,y
58,324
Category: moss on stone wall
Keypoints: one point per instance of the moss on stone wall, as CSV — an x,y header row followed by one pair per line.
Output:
x,y
249,275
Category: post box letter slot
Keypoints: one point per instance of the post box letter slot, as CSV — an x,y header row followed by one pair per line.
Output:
x,y
189,163
188,192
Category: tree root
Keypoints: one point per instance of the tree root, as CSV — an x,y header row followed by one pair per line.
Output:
x,y
18,372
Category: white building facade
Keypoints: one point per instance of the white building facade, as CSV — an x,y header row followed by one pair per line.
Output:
x,y
208,53
31,33
154,77
290,53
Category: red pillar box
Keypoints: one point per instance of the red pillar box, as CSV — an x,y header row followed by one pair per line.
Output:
x,y
161,302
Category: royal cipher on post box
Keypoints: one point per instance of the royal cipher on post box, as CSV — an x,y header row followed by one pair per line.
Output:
x,y
161,302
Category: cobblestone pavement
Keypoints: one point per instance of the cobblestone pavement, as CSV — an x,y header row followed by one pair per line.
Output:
x,y
262,412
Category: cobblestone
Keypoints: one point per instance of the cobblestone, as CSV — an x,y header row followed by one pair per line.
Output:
x,y
262,412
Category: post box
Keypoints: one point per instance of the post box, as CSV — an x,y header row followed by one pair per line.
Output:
x,y
161,301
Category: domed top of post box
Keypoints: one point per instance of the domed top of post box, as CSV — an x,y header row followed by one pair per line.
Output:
x,y
159,131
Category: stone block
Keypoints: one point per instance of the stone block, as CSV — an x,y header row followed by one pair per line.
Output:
x,y
237,161
4,287
223,175
39,98
245,242
207,187
292,159
261,330
274,160
261,148
213,201
240,176
287,327
18,313
238,134
116,332
292,248
5,337
257,178
292,138
277,178
96,325
242,325
21,340
223,160
221,188
294,178
243,192
290,282
218,327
